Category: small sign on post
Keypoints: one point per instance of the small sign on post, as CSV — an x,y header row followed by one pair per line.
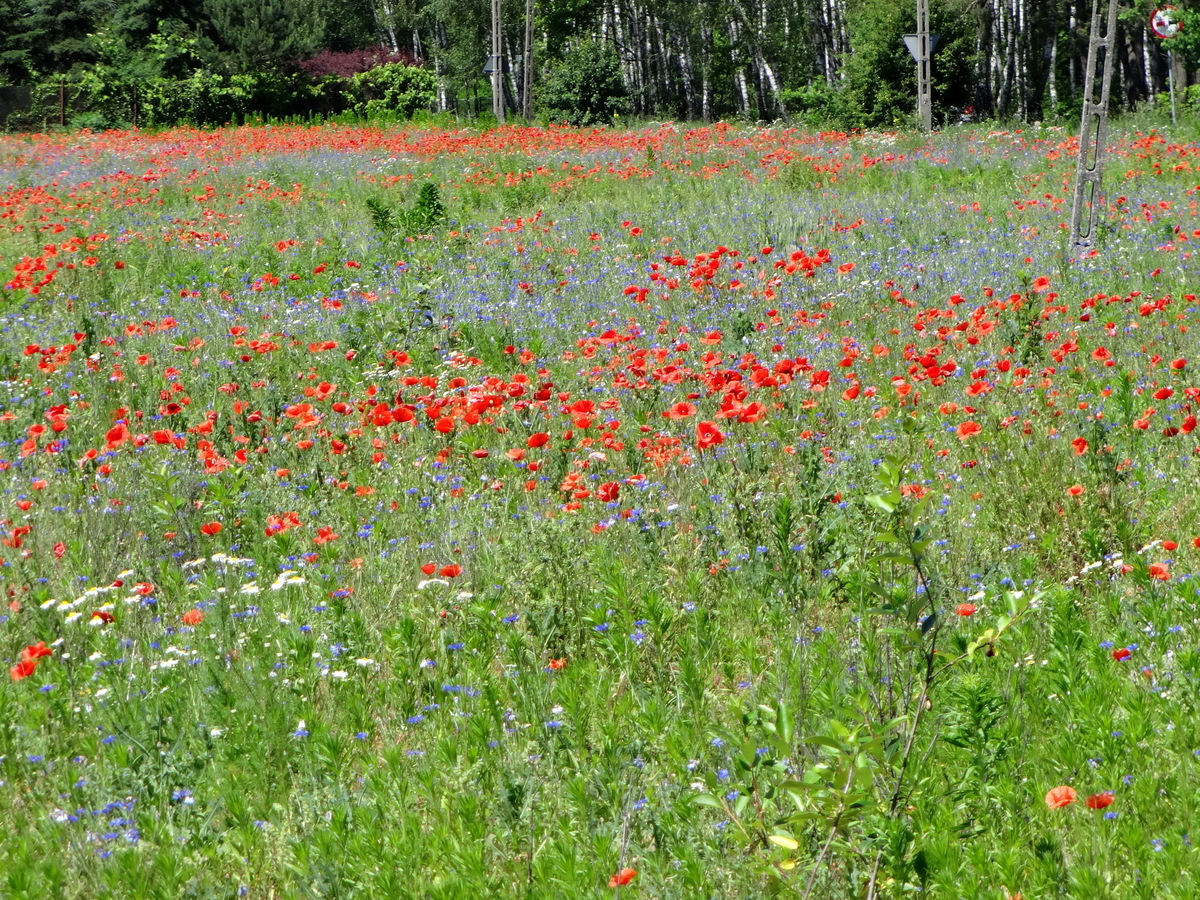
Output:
x,y
913,43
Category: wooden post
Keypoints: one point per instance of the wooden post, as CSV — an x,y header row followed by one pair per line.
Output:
x,y
1093,127
135,104
62,101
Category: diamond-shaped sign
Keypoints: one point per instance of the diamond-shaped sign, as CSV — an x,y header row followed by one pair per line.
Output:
x,y
913,43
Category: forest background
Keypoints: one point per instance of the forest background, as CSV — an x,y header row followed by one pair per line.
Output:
x,y
831,63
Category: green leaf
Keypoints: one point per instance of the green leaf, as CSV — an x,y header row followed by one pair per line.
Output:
x,y
710,801
880,503
823,741
903,558
929,622
805,816
750,752
784,719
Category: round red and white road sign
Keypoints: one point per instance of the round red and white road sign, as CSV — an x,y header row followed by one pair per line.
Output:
x,y
1164,22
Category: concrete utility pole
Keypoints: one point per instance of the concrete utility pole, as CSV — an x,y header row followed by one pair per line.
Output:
x,y
1093,127
924,88
527,65
497,63
921,46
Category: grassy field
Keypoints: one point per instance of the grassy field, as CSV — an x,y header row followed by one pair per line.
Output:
x,y
674,512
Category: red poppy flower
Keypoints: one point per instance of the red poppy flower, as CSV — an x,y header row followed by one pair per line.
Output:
x,y
1057,798
451,571
967,429
23,669
1076,490
558,663
193,617
622,878
1101,800
1159,572
429,568
609,492
537,440
104,616
211,528
36,651
708,435
1121,653
966,609
680,411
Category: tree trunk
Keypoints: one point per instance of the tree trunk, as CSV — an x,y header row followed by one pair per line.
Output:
x,y
687,74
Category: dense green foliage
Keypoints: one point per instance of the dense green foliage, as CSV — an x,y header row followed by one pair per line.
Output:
x,y
585,88
840,63
393,89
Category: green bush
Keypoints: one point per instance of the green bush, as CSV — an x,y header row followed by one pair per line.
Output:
x,y
393,89
814,105
585,88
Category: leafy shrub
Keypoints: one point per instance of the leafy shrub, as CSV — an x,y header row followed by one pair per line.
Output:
x,y
586,87
393,88
814,105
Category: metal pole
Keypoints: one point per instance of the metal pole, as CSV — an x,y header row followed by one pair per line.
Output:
x,y
1171,82
497,68
1093,126
924,88
527,65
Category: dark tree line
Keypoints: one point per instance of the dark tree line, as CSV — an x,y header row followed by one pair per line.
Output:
x,y
820,60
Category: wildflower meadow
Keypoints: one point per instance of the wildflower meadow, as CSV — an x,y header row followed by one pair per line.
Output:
x,y
673,512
